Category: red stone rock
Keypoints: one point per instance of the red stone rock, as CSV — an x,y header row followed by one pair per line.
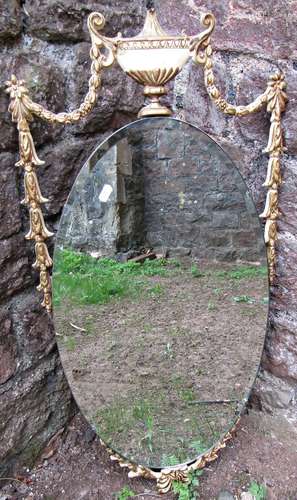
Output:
x,y
10,214
10,19
8,348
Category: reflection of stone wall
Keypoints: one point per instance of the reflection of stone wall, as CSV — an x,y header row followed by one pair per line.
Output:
x,y
47,43
87,221
172,188
130,198
104,227
195,201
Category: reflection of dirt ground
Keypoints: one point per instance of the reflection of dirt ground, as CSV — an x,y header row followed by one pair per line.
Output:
x,y
142,367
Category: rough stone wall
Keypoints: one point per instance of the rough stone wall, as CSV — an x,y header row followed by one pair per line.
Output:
x,y
46,43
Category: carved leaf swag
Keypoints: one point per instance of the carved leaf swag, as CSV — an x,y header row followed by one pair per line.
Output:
x,y
275,100
22,110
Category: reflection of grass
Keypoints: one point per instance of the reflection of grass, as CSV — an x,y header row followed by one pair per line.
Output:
x,y
169,461
85,280
244,299
177,381
89,326
144,425
156,290
187,395
244,272
168,352
70,343
179,332
121,415
249,313
141,410
196,273
148,437
211,306
112,420
199,446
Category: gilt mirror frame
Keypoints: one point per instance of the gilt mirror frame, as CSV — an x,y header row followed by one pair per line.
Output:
x,y
152,59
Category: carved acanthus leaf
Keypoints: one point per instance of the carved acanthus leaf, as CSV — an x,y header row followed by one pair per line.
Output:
x,y
274,177
201,41
37,225
42,256
96,22
271,210
277,97
32,189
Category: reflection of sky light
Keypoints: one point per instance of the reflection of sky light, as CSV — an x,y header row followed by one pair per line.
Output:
x,y
105,193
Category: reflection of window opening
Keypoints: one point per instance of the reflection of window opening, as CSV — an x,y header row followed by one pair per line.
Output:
x,y
105,193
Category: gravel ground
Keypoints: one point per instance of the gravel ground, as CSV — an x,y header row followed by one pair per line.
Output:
x,y
74,466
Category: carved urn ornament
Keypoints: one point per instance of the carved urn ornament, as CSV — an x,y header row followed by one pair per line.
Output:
x,y
153,58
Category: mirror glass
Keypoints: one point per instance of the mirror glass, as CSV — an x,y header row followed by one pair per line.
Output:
x,y
160,292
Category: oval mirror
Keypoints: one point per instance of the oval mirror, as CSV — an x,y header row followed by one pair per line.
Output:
x,y
160,292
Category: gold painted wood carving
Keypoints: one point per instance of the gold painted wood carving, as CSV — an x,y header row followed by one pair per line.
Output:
x,y
22,110
274,99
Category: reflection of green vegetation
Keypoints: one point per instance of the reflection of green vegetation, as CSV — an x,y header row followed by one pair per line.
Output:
x,y
70,343
244,299
168,353
86,280
144,423
179,332
89,325
187,395
199,446
148,437
169,461
177,381
244,272
141,410
83,279
211,306
112,420
147,328
196,273
123,415
156,290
